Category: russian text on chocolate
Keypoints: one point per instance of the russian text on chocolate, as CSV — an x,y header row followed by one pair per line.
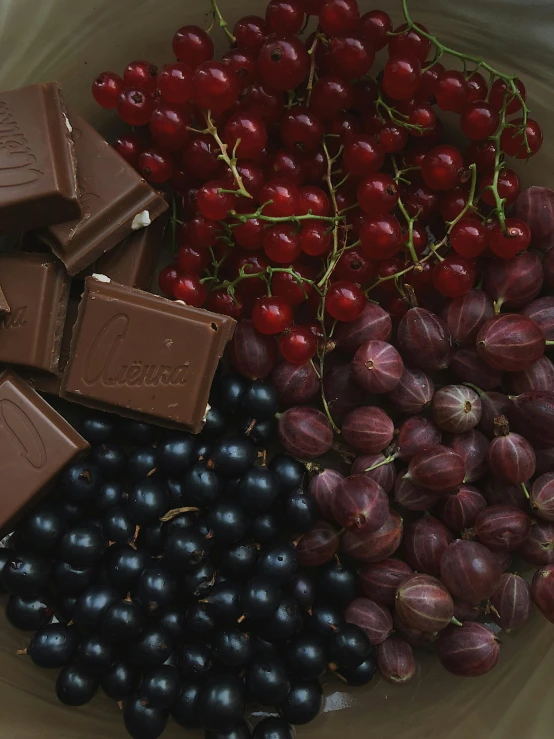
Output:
x,y
143,356
114,198
38,185
36,443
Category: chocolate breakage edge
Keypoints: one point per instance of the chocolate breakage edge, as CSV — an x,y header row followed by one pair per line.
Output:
x,y
143,356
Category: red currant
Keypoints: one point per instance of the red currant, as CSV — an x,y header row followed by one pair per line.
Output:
x,y
451,91
454,276
155,165
350,57
169,127
314,166
354,266
442,167
386,269
509,187
479,120
212,202
377,194
429,81
141,75
175,83
192,45
250,235
375,26
284,17
343,126
282,243
362,156
338,17
244,64
421,115
498,93
201,232
167,279
191,259
284,197
135,107
513,143
297,344
420,201
482,153
313,200
420,237
245,135
365,94
381,237
215,87
469,237
330,95
286,165
409,43
397,306
301,130
283,63
220,301
401,77
130,147
344,301
393,137
452,203
253,179
271,315
262,102
250,32
506,244
292,289
200,157
190,290
106,89
315,239
252,263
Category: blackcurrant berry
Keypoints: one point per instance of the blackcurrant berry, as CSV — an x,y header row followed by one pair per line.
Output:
x,y
25,574
119,681
285,622
232,647
185,550
137,432
228,522
260,598
273,728
110,459
239,560
143,721
95,654
225,601
231,389
200,621
221,702
109,495
80,482
142,463
265,528
152,647
185,707
302,589
299,511
307,657
147,502
122,621
260,400
72,580
278,561
360,675
29,613
75,686
325,620
303,702
117,525
214,425
203,485
267,680
172,620
349,646
82,546
125,567
97,429
195,661
336,583
289,471
199,582
258,490
55,645
233,456
176,454
43,528
160,687
260,432
156,588
91,605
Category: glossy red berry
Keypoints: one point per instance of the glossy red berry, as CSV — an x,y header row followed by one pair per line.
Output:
x,y
141,75
381,237
271,315
375,26
362,156
250,32
515,238
282,243
499,93
298,344
479,120
482,153
469,237
401,77
106,89
283,63
245,135
338,17
220,301
477,87
442,167
175,83
192,45
452,203
280,198
301,130
244,64
214,86
454,276
200,157
313,200
331,94
166,279
250,235
135,107
354,266
155,165
291,287
393,137
420,201
513,142
192,260
377,194
169,127
286,165
409,42
345,301
212,202
350,56
429,80
509,187
284,17
201,232
130,147
190,290
316,239
451,91
263,102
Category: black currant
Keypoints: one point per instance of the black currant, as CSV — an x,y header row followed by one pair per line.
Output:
x,y
303,702
233,647
289,471
221,702
360,675
325,620
147,502
260,400
25,574
273,728
117,525
125,567
230,391
348,646
260,598
176,454
119,681
336,583
225,601
122,621
302,589
278,561
44,528
72,580
185,550
156,588
227,521
258,490
110,458
160,687
97,429
265,527
29,613
75,686
143,721
83,545
299,511
177,493
240,731
65,607
239,560
152,648
233,455
137,432
267,680
306,656
91,604
285,621
181,522
261,432
195,661
55,645
152,538
172,620
214,425
203,450
79,483
203,486
142,463
95,654
6,555
110,494
185,707
200,621
199,582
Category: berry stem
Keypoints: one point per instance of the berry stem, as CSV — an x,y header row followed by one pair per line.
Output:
x,y
524,488
220,20
231,163
310,85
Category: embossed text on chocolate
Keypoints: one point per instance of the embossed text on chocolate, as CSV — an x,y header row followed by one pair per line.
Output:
x,y
16,158
23,433
102,367
15,319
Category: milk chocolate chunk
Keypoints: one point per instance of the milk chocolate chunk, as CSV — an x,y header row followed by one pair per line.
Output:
x,y
114,198
38,185
143,356
36,443
36,287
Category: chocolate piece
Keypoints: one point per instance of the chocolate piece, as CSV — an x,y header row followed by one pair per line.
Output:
x,y
37,289
143,356
4,305
115,201
38,185
35,445
132,262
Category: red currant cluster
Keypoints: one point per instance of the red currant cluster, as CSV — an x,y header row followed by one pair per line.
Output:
x,y
303,185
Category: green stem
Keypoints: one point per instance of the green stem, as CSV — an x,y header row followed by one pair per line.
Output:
x,y
524,488
231,163
220,20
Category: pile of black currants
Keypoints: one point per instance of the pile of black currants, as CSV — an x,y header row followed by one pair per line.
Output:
x,y
164,569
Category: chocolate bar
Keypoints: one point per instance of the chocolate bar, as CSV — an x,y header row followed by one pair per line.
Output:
x,y
133,261
37,290
38,185
35,445
143,356
114,198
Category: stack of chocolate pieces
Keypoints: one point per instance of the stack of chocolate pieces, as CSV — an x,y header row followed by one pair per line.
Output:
x,y
75,320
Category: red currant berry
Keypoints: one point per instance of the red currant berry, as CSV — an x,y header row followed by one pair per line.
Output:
x,y
252,263
393,138
420,237
314,167
192,45
420,201
245,135
338,17
301,130
350,57
381,237
284,17
169,127
513,143
167,279
330,95
375,26
286,165
498,93
200,157
482,153
220,301
130,147
214,87
244,64
452,203
250,235
192,260
451,91
315,239
354,266
106,89
377,194
283,63
271,315
212,202
344,301
201,232
267,104
291,288
284,197
297,344
175,83
135,107
454,276
155,165
409,42
429,81
442,167
343,126
469,237
515,238
509,187
421,115
250,32
401,77
479,120
282,243
313,200
362,156
141,75
421,279
386,269
476,87
252,178
190,290
397,306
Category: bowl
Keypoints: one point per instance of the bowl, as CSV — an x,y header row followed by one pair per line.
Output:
x,y
72,41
